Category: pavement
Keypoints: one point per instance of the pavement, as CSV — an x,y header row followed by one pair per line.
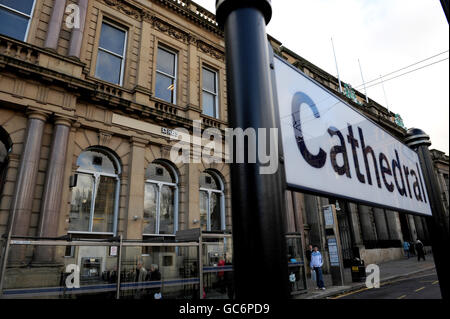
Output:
x,y
389,271
424,285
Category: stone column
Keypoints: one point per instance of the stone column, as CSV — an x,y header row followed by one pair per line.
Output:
x,y
419,228
76,39
290,222
53,189
425,229
393,221
355,224
193,195
365,217
380,223
312,213
26,181
412,227
136,187
54,26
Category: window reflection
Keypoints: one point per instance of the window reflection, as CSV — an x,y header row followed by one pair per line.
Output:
x,y
104,205
15,17
80,207
165,85
93,204
150,197
209,93
211,202
204,202
111,53
166,211
161,191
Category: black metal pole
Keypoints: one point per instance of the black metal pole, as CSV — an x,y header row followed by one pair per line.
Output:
x,y
258,201
446,7
419,141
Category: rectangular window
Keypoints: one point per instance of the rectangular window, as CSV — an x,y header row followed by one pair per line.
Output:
x,y
111,54
15,17
166,80
209,93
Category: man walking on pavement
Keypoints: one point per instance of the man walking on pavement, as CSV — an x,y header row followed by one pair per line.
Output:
x,y
420,251
316,264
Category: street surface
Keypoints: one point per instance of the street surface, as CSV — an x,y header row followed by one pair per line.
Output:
x,y
424,285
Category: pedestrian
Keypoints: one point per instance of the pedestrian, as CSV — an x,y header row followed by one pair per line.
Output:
x,y
420,250
308,253
406,248
316,264
141,276
155,275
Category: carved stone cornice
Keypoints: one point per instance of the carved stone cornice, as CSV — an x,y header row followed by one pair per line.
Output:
x,y
211,50
169,29
126,8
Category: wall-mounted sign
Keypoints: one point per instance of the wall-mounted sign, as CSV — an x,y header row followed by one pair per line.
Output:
x,y
333,252
332,149
328,216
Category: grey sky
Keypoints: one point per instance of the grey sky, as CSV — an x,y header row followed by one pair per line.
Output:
x,y
385,35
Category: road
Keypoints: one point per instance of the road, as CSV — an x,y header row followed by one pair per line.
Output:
x,y
423,285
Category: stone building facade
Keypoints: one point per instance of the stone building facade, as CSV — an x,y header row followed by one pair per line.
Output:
x,y
441,166
87,110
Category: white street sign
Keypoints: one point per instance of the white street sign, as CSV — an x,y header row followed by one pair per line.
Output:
x,y
332,149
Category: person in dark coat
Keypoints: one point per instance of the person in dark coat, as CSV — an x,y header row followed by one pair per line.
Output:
x,y
308,253
420,250
154,275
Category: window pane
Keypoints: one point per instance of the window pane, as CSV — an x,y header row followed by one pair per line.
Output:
x,y
165,62
150,198
157,172
96,161
209,104
166,225
3,152
209,80
80,205
203,209
104,205
23,6
13,25
112,39
208,181
109,67
164,88
215,212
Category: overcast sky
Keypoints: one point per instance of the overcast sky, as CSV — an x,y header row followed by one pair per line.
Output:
x,y
386,35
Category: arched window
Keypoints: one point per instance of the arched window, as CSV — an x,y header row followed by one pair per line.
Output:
x,y
161,199
95,193
5,149
212,202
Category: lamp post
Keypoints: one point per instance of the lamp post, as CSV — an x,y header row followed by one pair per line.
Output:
x,y
419,142
258,201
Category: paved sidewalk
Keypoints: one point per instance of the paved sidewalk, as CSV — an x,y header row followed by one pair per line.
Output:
x,y
388,271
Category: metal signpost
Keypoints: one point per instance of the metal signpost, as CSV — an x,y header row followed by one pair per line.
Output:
x,y
258,201
419,141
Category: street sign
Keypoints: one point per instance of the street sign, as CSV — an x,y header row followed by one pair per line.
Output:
x,y
332,149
